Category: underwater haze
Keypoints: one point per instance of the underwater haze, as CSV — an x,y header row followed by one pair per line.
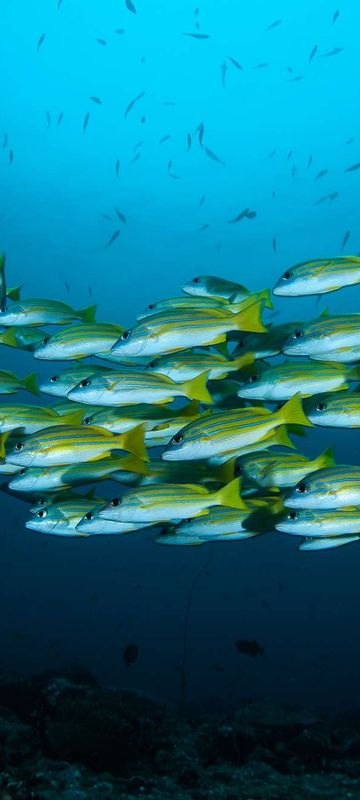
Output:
x,y
127,149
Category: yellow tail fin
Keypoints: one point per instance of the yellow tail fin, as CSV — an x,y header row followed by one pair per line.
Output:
x,y
133,442
14,292
292,412
326,459
87,314
243,361
280,437
250,319
230,496
3,440
196,389
30,383
9,337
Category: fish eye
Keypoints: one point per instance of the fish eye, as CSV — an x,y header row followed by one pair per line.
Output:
x,y
238,469
292,515
177,438
321,406
152,364
302,488
3,309
46,339
189,519
42,500
125,335
151,307
41,513
84,383
195,280
89,515
19,446
297,334
54,378
287,275
115,502
253,378
22,471
87,421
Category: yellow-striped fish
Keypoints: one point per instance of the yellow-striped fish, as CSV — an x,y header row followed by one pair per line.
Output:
x,y
30,419
73,445
42,312
170,331
223,432
170,501
79,341
280,382
188,364
121,388
53,479
319,276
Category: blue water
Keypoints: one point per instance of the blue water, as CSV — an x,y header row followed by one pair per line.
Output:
x,y
83,601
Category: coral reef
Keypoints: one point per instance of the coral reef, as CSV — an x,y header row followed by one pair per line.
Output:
x,y
64,737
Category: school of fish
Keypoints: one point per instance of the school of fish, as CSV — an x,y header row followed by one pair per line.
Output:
x,y
186,413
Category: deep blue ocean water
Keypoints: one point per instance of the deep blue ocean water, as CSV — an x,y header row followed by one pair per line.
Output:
x,y
67,602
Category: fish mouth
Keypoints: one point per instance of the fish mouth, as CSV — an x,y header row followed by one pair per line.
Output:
x,y
170,455
281,291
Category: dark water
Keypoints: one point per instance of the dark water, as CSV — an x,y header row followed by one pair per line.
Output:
x,y
82,601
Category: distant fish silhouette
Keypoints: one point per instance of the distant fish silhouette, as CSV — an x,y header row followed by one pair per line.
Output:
x,y
101,41
48,118
273,25
106,216
165,138
96,100
351,140
86,121
198,35
297,78
250,214
117,168
293,172
40,41
345,240
120,30
130,6
90,291
309,161
5,140
132,103
213,157
321,174
289,154
202,200
169,165
262,65
235,63
136,158
200,130
353,167
249,647
59,4
120,215
224,69
313,53
188,142
11,156
59,119
67,287
333,52
130,654
239,217
203,227
272,154
335,16
113,238
274,246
